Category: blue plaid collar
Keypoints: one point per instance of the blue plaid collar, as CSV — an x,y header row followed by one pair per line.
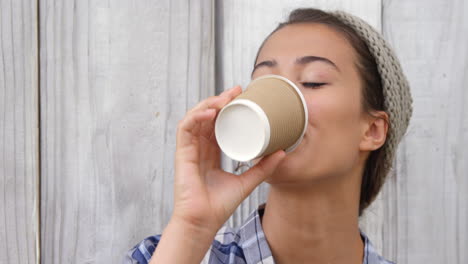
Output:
x,y
256,249
244,245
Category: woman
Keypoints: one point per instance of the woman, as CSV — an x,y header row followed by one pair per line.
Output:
x,y
359,107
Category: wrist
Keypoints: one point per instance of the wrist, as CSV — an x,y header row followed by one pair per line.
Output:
x,y
182,236
196,229
201,224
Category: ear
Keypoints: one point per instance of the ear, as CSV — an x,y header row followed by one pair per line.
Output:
x,y
374,131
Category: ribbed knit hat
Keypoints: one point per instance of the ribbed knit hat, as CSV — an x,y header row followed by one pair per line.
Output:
x,y
396,90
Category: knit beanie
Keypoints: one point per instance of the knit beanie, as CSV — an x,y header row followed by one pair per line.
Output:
x,y
396,90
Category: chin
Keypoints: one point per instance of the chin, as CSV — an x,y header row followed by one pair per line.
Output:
x,y
296,160
289,168
298,168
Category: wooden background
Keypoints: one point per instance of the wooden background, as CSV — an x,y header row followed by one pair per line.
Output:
x,y
91,92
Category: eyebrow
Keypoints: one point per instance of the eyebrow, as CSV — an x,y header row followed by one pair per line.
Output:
x,y
299,61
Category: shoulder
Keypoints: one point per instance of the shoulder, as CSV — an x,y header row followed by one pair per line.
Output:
x,y
225,248
141,253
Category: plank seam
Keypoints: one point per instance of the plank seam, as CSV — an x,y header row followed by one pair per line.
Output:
x,y
39,159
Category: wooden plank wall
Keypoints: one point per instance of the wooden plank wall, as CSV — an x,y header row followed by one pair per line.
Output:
x,y
19,138
429,195
115,78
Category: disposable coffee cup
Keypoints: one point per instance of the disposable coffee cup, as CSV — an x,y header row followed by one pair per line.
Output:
x,y
271,114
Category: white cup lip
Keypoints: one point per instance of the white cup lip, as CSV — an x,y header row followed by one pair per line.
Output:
x,y
263,119
304,106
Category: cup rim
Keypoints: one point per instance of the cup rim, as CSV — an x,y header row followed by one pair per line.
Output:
x,y
262,117
304,106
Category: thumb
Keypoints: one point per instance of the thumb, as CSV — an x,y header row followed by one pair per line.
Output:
x,y
262,170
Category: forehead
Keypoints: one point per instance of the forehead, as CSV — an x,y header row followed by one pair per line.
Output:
x,y
313,39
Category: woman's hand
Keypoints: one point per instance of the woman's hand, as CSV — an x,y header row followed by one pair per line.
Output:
x,y
205,196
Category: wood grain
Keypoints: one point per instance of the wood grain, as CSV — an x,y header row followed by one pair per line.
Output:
x,y
116,77
19,140
429,209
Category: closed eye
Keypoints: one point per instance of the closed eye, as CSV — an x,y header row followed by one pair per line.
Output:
x,y
312,84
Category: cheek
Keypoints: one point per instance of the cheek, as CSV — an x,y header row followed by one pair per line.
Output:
x,y
333,115
331,142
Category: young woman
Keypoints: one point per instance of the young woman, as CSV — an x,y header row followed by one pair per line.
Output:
x,y
359,106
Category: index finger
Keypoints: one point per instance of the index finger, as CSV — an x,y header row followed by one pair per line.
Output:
x,y
217,102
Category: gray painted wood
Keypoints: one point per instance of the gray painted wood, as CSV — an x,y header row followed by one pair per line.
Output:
x,y
428,212
19,157
116,77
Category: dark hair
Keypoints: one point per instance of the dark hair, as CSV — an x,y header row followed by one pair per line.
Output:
x,y
372,95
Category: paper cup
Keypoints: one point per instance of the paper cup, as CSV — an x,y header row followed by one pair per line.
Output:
x,y
271,114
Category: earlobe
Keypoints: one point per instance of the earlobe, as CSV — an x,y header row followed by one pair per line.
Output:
x,y
375,132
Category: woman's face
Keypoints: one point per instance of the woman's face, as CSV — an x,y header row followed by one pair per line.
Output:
x,y
321,63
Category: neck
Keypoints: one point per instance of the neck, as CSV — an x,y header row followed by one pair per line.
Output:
x,y
321,217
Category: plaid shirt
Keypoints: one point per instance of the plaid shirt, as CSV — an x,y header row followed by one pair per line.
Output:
x,y
246,245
